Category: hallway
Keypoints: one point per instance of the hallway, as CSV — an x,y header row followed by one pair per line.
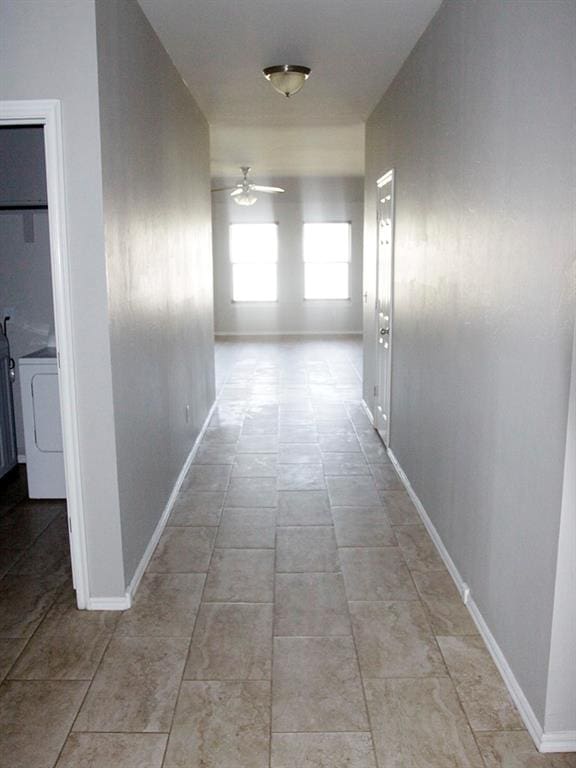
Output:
x,y
295,613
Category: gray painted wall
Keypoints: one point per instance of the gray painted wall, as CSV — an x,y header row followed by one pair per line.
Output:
x,y
156,181
479,125
305,199
48,51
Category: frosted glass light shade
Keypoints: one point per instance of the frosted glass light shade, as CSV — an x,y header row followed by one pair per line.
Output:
x,y
245,198
287,79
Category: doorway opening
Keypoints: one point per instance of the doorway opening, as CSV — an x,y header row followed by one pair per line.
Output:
x,y
39,392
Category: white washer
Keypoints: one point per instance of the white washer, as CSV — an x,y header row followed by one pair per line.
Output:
x,y
42,424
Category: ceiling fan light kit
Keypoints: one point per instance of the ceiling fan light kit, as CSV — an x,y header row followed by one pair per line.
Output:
x,y
244,197
287,79
244,192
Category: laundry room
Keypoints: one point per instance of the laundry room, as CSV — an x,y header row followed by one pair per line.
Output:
x,y
32,483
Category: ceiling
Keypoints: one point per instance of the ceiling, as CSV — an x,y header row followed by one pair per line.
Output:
x,y
273,151
354,48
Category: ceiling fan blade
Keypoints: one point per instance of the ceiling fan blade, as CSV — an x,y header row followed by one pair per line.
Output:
x,y
237,191
271,190
222,189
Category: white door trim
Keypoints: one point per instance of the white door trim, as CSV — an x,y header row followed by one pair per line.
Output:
x,y
48,113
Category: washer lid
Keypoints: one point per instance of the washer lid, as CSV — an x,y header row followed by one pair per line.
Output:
x,y
46,355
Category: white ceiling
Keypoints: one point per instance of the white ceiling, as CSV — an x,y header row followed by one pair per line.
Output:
x,y
334,150
354,48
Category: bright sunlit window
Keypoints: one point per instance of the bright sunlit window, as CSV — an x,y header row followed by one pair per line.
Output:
x,y
254,257
326,260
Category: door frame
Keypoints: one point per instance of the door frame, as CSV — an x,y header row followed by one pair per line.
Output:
x,y
388,177
47,112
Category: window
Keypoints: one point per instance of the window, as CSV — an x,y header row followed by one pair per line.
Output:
x,y
254,257
326,260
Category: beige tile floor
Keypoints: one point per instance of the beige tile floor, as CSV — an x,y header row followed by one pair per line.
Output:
x,y
294,615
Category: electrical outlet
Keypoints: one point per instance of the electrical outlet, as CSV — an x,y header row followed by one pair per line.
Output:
x,y
187,412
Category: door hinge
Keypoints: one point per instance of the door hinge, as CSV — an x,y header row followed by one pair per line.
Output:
x,y
376,390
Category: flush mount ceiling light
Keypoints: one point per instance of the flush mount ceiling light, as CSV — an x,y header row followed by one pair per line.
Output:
x,y
287,79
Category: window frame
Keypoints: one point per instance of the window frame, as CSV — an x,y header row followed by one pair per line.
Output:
x,y
258,302
348,262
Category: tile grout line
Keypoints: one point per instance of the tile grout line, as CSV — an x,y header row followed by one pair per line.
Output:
x,y
458,696
26,644
200,602
203,602
437,645
89,687
28,639
114,634
361,678
271,734
420,602
51,605
357,655
22,554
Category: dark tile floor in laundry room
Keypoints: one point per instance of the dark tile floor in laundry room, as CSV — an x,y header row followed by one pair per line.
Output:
x,y
295,613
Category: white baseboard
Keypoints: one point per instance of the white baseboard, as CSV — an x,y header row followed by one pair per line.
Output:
x,y
559,741
368,412
545,742
278,334
434,535
125,602
108,603
531,722
133,586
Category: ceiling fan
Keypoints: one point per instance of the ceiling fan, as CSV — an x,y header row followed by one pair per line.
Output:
x,y
244,192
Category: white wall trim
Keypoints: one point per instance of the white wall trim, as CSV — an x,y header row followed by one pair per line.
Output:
x,y
108,603
139,572
123,603
559,741
560,718
527,714
545,742
434,535
47,112
368,412
292,334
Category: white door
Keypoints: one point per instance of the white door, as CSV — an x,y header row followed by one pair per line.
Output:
x,y
385,266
